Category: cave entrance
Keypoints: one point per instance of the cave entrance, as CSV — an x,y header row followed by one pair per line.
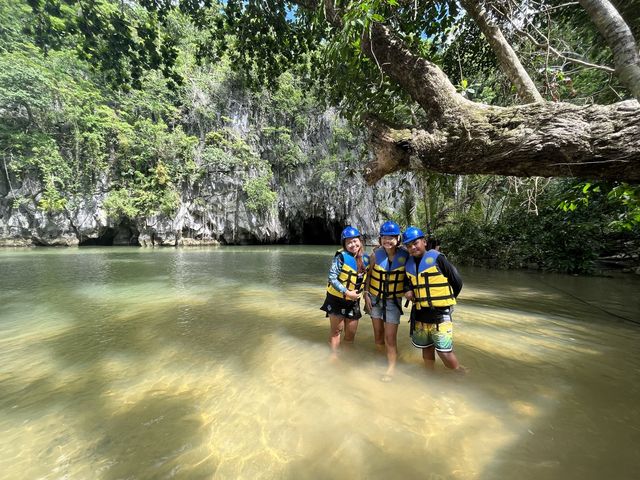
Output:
x,y
317,231
104,238
124,234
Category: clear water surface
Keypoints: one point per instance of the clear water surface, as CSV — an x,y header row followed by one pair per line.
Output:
x,y
124,363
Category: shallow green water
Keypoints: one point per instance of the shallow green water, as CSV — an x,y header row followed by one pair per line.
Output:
x,y
213,363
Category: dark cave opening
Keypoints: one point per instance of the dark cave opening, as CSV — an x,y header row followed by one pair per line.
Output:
x,y
315,231
124,234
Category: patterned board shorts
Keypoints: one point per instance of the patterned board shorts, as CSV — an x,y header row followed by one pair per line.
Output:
x,y
439,334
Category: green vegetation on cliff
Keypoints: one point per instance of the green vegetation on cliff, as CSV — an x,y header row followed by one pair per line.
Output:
x,y
83,120
70,127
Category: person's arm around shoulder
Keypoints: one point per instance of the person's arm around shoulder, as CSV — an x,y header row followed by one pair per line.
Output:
x,y
408,286
367,297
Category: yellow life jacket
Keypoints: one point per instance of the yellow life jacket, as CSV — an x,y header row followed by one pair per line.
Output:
x,y
387,278
349,273
430,287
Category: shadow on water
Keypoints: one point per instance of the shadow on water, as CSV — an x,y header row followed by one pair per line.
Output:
x,y
565,295
552,422
137,437
113,322
565,397
157,427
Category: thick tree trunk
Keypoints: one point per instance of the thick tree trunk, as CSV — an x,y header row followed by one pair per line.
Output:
x,y
509,61
620,39
544,139
423,80
538,139
463,137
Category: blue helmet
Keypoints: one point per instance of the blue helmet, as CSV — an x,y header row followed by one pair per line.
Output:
x,y
349,232
411,234
389,228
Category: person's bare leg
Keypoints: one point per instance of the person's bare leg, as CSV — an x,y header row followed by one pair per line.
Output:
x,y
429,357
391,342
337,325
350,328
451,361
378,333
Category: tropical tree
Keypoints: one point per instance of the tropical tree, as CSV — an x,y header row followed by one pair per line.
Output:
x,y
384,58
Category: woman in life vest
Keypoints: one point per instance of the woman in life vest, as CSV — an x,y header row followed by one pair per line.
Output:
x,y
347,275
385,287
434,286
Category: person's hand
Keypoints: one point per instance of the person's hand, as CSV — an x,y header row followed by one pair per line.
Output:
x,y
351,295
409,295
367,303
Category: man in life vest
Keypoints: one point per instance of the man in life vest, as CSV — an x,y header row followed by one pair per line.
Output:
x,y
433,285
347,276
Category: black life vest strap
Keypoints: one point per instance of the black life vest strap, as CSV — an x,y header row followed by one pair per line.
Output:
x,y
385,289
427,287
430,298
350,275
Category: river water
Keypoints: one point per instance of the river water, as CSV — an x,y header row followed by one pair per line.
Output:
x,y
126,363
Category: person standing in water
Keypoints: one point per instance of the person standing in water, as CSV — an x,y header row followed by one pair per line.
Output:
x,y
433,285
347,276
385,287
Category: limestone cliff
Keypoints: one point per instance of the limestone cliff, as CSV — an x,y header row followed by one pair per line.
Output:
x,y
314,199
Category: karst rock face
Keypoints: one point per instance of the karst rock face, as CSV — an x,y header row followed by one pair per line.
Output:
x,y
305,212
314,200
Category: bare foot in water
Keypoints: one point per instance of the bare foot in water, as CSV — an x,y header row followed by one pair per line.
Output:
x,y
388,376
461,370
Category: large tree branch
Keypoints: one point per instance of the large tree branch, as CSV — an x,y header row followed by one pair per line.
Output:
x,y
463,137
425,83
538,139
620,39
544,139
509,61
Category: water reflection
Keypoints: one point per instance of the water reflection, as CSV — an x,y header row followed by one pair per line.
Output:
x,y
212,363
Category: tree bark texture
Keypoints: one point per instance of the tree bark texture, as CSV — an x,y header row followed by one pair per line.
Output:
x,y
509,61
464,137
423,80
618,36
544,139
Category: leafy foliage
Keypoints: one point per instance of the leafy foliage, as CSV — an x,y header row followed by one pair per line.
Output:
x,y
563,227
260,197
621,199
551,241
123,39
74,123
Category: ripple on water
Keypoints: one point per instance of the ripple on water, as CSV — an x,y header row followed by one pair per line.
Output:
x,y
153,370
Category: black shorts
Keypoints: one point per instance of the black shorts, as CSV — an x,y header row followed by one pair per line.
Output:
x,y
431,314
339,306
